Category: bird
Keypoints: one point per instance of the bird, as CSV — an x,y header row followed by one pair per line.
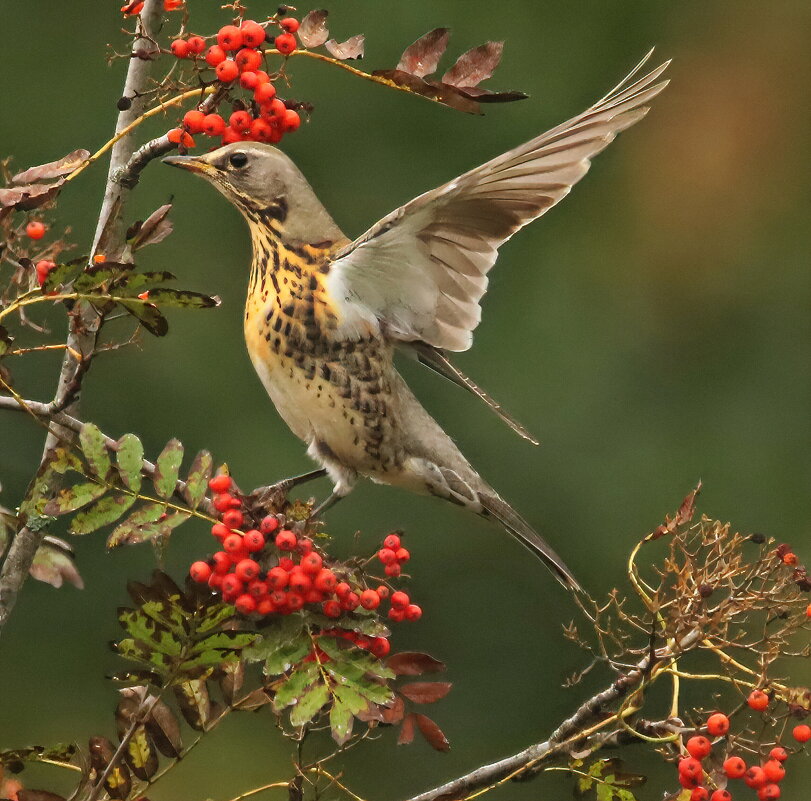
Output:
x,y
325,314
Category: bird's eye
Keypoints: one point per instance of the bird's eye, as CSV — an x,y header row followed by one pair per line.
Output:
x,y
238,160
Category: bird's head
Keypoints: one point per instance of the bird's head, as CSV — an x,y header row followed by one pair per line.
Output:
x,y
264,184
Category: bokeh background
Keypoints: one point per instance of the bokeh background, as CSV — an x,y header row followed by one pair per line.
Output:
x,y
652,330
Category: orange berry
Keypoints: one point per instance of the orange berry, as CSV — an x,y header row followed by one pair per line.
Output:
x,y
721,795
369,599
213,125
774,771
253,34
180,48
291,122
229,37
245,604
248,59
99,258
769,792
227,71
193,123
734,767
196,44
718,724
802,733
289,24
778,753
200,572
758,700
285,43
35,229
220,483
698,747
178,136
215,55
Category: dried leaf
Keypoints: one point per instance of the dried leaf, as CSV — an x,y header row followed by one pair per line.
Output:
x,y
688,507
406,736
154,228
432,733
425,692
5,340
414,663
313,29
53,564
164,729
394,713
29,197
54,169
421,58
351,48
194,702
475,66
141,756
438,92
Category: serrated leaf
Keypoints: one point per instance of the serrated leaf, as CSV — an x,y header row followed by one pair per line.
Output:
x,y
148,315
61,274
351,699
341,720
94,276
197,480
149,631
103,512
425,692
475,66
354,662
72,498
295,685
61,460
414,663
94,449
352,48
223,640
137,651
421,58
53,169
182,298
135,282
137,677
130,460
313,29
138,527
167,468
194,702
309,705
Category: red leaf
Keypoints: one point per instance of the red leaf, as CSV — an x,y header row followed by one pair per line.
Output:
x,y
394,713
313,29
414,663
432,733
406,736
475,66
351,48
422,57
425,692
53,169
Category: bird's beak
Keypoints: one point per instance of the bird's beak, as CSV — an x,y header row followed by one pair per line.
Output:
x,y
191,163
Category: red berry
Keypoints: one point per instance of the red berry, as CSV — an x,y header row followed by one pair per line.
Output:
x,y
232,544
380,647
215,581
698,747
179,48
369,599
178,136
383,591
387,556
200,572
35,229
285,43
264,93
278,578
392,542
248,59
325,581
220,531
196,44
286,563
311,563
227,71
43,268
393,571
802,733
172,5
758,700
229,135
269,524
769,792
286,540
721,795
253,34
397,615
222,562
231,584
413,612
399,599
193,123
264,606
248,80
233,518
350,601
402,555
257,588
254,540
331,608
300,582
213,124
289,24
305,545
700,794
215,55
295,601
240,121
246,570
276,107
734,767
689,766
222,502
774,771
261,130
718,724
229,37
755,777
290,122
342,589
808,610
245,604
222,482
780,754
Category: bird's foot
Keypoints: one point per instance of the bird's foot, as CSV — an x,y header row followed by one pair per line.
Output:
x,y
273,496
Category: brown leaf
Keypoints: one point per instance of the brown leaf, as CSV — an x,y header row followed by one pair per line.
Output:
x,y
441,93
313,29
351,48
119,782
254,700
29,197
421,58
53,564
432,733
394,713
486,96
230,677
154,229
194,702
688,507
414,663
475,66
141,756
406,736
425,692
164,729
54,169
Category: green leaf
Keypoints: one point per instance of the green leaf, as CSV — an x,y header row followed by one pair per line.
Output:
x,y
182,298
95,450
213,615
353,701
137,651
64,460
93,277
294,687
148,631
101,513
280,647
137,527
130,460
148,315
72,498
61,274
168,468
13,759
309,705
197,480
341,721
136,282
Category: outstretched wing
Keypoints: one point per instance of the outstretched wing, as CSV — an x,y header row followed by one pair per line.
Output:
x,y
420,273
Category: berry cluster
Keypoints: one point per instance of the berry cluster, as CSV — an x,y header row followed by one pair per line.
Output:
x,y
764,778
237,56
272,570
392,555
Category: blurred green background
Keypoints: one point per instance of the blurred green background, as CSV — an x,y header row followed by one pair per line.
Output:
x,y
651,330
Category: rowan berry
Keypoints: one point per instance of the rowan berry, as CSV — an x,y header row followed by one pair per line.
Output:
x,y
325,580
43,268
200,572
35,229
215,581
220,531
264,93
755,777
758,700
232,544
246,570
403,555
254,540
276,108
248,59
380,647
387,556
291,121
718,724
245,604
299,581
285,43
774,771
222,502
342,589
172,5
240,121
393,571
227,71
397,615
253,34
769,792
289,24
257,588
392,542
400,599
350,601
132,9
734,767
304,545
249,80
264,606
295,601
802,733
413,612
369,599
700,794
331,608
780,754
221,482
698,747
278,578
180,48
233,518
196,44
99,258
279,597
286,540
229,37
261,130
222,562
383,591
721,795
193,123
286,563
808,610
269,524
231,584
215,55
311,563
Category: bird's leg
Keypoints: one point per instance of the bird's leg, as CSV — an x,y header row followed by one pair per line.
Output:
x,y
264,496
327,503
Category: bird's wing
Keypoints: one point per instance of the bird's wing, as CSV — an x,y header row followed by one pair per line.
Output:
x,y
420,273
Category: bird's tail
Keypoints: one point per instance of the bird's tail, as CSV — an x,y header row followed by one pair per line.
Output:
x,y
494,506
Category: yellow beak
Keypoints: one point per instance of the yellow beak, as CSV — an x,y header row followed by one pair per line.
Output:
x,y
191,163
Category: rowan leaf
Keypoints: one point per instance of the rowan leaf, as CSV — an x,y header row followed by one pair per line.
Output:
x,y
103,512
194,702
313,30
129,461
53,169
421,57
94,276
309,704
182,298
137,527
295,685
69,499
135,282
94,449
425,692
475,66
54,564
197,480
164,729
141,756
414,663
14,758
438,92
352,48
31,196
167,468
148,315
5,340
431,732
341,720
154,228
62,274
406,736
